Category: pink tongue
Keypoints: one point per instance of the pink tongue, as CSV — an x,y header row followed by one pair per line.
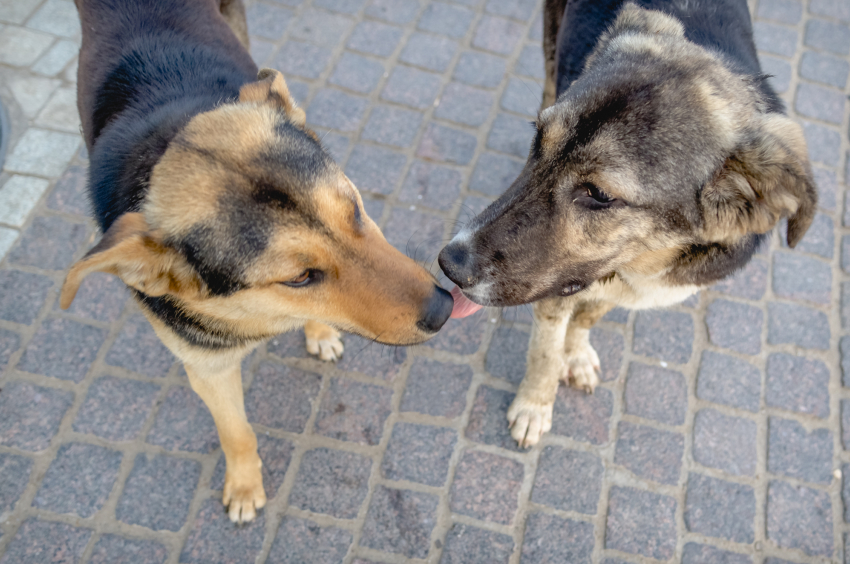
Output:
x,y
464,307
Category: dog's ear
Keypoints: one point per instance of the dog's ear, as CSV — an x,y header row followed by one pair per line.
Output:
x,y
130,251
270,87
766,178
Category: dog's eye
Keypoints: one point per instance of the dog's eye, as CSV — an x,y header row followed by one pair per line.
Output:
x,y
303,279
594,192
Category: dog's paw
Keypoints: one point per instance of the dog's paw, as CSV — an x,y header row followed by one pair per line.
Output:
x,y
583,368
243,493
324,342
528,420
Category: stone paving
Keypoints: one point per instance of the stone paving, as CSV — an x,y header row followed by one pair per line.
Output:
x,y
719,434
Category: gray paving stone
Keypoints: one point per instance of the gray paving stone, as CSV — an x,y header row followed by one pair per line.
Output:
x,y
372,359
63,349
506,355
332,482
137,348
667,335
656,393
301,540
735,326
22,295
392,126
819,239
582,416
373,169
10,342
820,103
17,11
350,7
830,8
465,543
57,17
101,297
39,541
728,380
357,73
446,144
464,104
15,470
794,452
845,491
650,453
49,243
828,35
115,409
530,62
568,480
18,197
394,11
158,492
844,346
797,384
780,72
268,21
774,38
800,278
784,11
827,185
22,47
549,538
400,522
351,411
725,442
302,59
436,388
30,415
419,453
824,68
796,324
431,185
276,455
609,345
69,193
823,143
845,424
799,517
412,87
488,419
420,236
511,134
479,69
446,19
519,10
112,548
717,508
184,423
522,96
78,480
336,110
281,397
429,52
486,487
694,553
497,35
214,539
641,522
494,174
375,38
617,315
321,28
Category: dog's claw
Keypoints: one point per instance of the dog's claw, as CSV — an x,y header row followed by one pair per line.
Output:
x,y
243,494
529,421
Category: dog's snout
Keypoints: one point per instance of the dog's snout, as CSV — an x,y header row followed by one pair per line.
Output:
x,y
437,311
457,262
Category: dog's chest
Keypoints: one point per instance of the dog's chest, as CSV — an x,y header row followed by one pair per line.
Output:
x,y
640,292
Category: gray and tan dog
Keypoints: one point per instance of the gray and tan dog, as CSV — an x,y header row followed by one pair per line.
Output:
x,y
657,171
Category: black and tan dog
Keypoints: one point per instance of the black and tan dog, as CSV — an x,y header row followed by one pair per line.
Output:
x,y
659,169
224,213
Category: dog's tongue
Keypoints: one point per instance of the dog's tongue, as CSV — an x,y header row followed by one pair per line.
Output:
x,y
464,307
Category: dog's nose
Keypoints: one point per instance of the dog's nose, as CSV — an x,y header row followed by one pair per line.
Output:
x,y
456,261
437,311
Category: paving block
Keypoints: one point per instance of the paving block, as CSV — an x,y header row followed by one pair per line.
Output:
x,y
113,548
511,135
352,411
373,169
138,349
735,326
550,538
30,415
419,453
446,19
412,87
802,278
18,197
667,335
784,11
799,517
464,104
465,543
15,470
717,508
568,480
773,38
429,52
522,96
158,492
39,541
63,349
494,173
321,28
22,47
332,482
357,73
302,59
497,35
375,38
372,359
829,35
694,553
486,487
214,538
42,152
506,355
302,540
656,393
730,381
446,144
823,143
479,69
22,295
641,522
825,68
184,423
582,416
394,11
436,388
336,110
49,243
794,452
276,455
725,442
431,185
798,325
400,522
281,397
393,126
419,235
69,195
101,297
797,384
650,453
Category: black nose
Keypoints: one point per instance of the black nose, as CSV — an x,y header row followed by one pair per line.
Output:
x,y
456,261
437,311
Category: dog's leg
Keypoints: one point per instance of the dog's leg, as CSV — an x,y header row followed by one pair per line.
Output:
x,y
233,12
581,360
553,13
243,481
530,414
323,341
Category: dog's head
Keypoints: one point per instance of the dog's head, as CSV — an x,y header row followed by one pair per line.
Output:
x,y
248,222
657,149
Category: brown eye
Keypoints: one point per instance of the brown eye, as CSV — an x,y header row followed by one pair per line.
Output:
x,y
303,279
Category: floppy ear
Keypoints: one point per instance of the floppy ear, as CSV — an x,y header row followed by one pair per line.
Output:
x,y
766,178
270,87
129,251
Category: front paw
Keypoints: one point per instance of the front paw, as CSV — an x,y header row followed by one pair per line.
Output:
x,y
582,368
324,342
529,419
243,491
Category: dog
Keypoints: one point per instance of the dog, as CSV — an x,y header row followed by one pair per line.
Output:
x,y
661,160
223,212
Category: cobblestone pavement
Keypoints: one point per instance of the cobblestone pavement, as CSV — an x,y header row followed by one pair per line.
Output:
x,y
718,435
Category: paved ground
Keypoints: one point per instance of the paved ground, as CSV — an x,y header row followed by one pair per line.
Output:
x,y
715,438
